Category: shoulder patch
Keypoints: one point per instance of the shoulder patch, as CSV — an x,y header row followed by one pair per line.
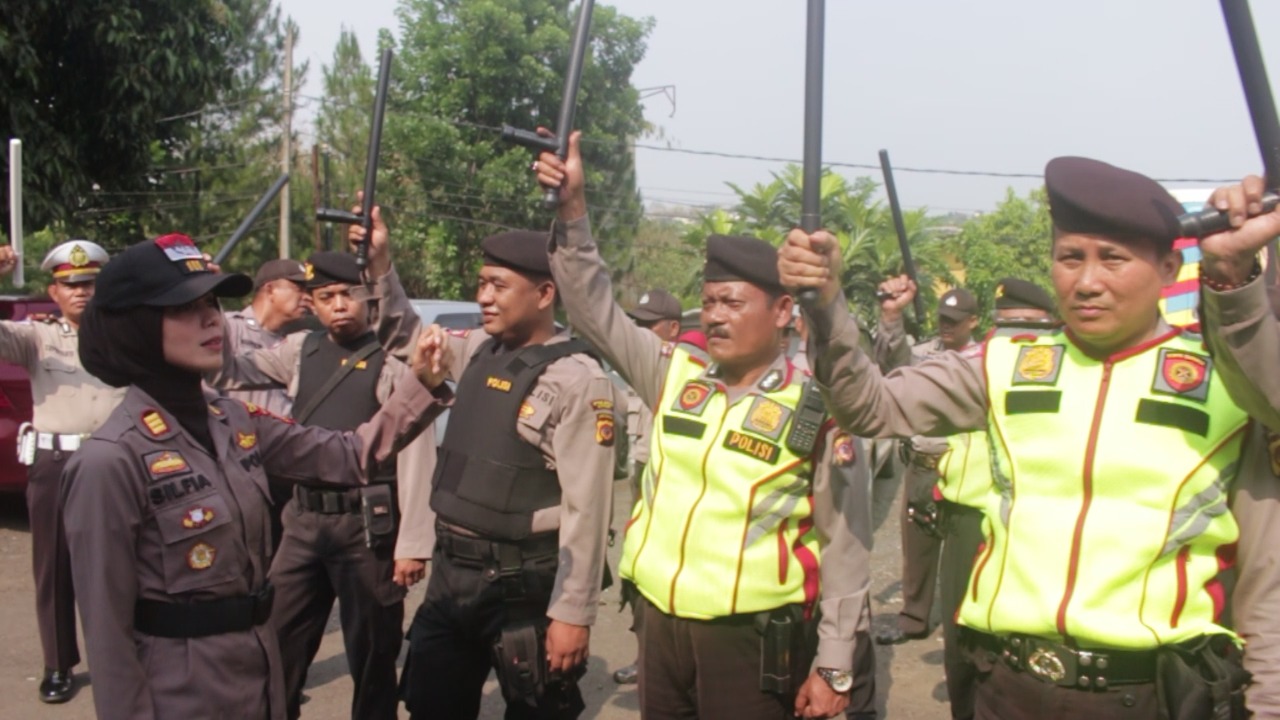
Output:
x,y
1183,374
154,422
843,451
604,429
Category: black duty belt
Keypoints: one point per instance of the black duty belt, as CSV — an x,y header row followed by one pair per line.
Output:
x,y
485,551
336,500
1080,668
201,619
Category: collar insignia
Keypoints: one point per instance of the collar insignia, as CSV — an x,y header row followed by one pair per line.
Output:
x,y
771,381
246,441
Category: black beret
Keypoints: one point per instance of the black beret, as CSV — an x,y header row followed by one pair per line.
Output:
x,y
1017,293
738,257
1092,197
327,268
524,251
165,272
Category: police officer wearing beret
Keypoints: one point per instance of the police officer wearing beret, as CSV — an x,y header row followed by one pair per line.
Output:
x,y
68,404
964,480
921,546
166,503
1099,590
522,492
754,517
280,301
1244,335
337,378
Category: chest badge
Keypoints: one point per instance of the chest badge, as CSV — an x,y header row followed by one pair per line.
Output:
x,y
167,463
497,383
201,556
197,517
1038,365
1183,374
526,410
693,398
247,441
766,417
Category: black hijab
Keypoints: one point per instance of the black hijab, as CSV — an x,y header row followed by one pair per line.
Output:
x,y
127,348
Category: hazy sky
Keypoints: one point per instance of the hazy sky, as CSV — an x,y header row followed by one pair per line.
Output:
x,y
983,85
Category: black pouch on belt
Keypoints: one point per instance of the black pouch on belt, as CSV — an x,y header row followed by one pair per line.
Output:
x,y
522,663
784,649
378,511
1203,679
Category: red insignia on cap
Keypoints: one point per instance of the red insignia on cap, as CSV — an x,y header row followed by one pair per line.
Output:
x,y
1184,372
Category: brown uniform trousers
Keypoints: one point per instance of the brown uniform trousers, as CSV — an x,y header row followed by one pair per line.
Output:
x,y
66,400
50,562
920,553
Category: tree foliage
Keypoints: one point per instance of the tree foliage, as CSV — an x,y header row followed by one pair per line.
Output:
x,y
463,69
99,91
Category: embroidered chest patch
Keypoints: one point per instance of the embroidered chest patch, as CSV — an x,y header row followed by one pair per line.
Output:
x,y
767,418
201,556
1038,365
247,441
197,517
752,447
1183,374
165,462
693,398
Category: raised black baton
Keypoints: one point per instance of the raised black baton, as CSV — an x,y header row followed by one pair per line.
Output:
x,y
250,219
559,143
908,263
1262,110
365,217
811,185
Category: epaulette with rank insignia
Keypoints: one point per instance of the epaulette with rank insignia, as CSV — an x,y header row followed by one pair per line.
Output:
x,y
263,412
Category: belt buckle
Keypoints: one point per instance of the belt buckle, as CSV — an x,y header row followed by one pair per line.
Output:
x,y
330,502
1044,663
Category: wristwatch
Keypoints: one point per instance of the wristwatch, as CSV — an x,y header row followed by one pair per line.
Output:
x,y
840,680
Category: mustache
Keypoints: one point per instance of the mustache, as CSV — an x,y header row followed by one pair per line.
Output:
x,y
718,331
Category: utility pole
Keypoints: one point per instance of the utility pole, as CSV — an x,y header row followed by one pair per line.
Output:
x,y
315,190
285,149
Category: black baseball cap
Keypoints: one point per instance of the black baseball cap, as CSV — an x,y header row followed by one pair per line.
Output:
x,y
280,269
328,267
957,304
165,272
657,304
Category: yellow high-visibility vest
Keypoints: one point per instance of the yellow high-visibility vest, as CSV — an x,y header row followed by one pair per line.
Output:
x,y
1109,521
724,524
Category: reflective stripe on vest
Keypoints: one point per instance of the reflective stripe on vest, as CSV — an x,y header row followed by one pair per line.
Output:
x,y
1118,529
724,524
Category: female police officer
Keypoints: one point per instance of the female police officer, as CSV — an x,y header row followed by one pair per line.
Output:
x,y
166,504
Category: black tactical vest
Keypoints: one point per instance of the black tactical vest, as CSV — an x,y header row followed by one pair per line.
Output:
x,y
487,478
355,399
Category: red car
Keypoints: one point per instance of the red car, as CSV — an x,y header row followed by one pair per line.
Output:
x,y
15,394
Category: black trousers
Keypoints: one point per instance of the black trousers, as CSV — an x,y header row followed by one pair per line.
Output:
x,y
51,562
320,558
962,535
453,633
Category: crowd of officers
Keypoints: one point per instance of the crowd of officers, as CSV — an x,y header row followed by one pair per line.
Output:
x,y
1102,489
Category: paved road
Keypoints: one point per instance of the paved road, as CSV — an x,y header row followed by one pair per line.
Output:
x,y
910,679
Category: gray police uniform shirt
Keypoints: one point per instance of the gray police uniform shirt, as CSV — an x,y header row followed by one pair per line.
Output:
x,y
244,333
66,398
562,417
1244,337
279,367
151,514
840,490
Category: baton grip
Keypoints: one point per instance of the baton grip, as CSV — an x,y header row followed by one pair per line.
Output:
x,y
530,139
344,217
1211,220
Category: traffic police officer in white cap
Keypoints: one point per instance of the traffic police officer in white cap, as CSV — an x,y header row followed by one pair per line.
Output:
x,y
69,403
